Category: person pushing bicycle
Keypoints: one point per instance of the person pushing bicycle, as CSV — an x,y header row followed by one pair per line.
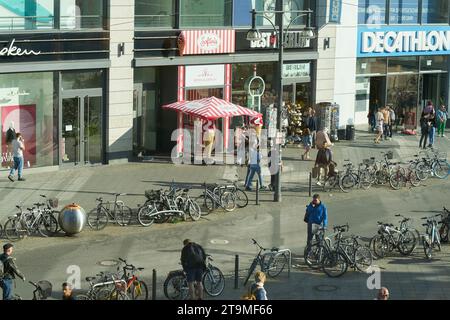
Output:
x,y
316,214
193,259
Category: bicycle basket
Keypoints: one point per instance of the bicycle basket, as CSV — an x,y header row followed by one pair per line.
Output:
x,y
45,288
53,202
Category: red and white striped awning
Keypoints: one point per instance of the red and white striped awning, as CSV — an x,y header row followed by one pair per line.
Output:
x,y
212,108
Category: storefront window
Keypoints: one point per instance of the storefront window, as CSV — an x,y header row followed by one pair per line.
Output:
x,y
371,66
404,11
27,105
403,64
205,13
26,15
82,79
154,14
402,94
434,63
435,11
372,11
81,14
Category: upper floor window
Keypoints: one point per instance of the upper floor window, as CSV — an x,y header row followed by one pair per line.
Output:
x,y
154,13
372,12
435,11
404,11
51,14
205,13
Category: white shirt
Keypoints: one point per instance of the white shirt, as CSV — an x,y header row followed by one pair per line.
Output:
x,y
18,147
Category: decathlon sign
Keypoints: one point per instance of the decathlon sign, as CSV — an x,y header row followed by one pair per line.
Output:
x,y
403,41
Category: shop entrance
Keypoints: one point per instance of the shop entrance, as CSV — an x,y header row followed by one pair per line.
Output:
x,y
81,127
377,93
432,88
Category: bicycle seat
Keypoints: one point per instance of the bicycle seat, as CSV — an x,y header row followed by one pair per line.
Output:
x,y
37,204
186,190
19,207
140,269
89,279
274,249
99,199
424,224
30,209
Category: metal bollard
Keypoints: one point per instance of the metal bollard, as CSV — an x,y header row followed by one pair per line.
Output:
x,y
236,271
154,285
310,184
257,192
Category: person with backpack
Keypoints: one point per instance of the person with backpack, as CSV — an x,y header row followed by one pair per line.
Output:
x,y
9,271
257,288
193,260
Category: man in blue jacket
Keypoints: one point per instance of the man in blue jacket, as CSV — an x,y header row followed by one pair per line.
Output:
x,y
316,213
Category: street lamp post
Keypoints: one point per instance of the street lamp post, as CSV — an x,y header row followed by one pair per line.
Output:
x,y
254,35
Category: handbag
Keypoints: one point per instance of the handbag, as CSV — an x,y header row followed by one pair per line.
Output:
x,y
315,172
306,217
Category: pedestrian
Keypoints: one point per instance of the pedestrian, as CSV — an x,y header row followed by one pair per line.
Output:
x,y
323,159
67,290
209,129
307,143
10,137
383,294
316,215
371,118
386,122
312,125
254,166
441,120
322,138
392,119
379,125
10,271
432,129
18,149
257,288
193,260
425,129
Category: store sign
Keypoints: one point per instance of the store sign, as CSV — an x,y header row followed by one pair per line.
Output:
x,y
402,41
13,51
206,42
335,11
296,70
205,76
293,40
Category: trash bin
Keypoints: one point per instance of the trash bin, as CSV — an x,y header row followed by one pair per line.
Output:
x,y
341,134
72,219
350,132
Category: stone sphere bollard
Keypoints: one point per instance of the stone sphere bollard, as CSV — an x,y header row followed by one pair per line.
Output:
x,y
72,219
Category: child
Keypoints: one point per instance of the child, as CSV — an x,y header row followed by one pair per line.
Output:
x,y
307,143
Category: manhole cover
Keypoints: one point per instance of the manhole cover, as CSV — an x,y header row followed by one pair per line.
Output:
x,y
326,288
219,241
108,263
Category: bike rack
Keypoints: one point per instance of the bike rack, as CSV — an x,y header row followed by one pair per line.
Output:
x,y
290,258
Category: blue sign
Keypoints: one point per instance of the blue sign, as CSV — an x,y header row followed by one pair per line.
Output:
x,y
335,11
377,41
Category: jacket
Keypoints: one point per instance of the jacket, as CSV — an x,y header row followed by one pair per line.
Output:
x,y
189,259
259,291
317,214
10,269
312,124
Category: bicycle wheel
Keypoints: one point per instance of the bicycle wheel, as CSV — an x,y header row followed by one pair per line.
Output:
x,y
103,294
314,254
47,225
379,246
138,290
422,171
123,215
443,232
279,261
207,205
363,258
12,229
97,219
440,169
413,178
250,271
145,215
213,281
228,201
427,248
396,179
83,297
365,179
194,210
334,264
407,242
347,182
330,183
241,198
176,287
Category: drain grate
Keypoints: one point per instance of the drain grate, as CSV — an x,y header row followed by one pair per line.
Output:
x,y
326,288
108,263
219,241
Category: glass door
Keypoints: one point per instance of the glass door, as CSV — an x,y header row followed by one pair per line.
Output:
x,y
81,127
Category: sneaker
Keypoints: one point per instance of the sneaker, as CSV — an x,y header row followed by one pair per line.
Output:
x,y
443,135
10,177
21,179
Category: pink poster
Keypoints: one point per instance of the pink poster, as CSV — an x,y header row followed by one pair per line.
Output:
x,y
24,120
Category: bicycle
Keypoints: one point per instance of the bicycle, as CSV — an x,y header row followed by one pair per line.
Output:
x,y
240,195
271,262
136,287
445,222
101,289
401,176
33,221
402,238
176,286
49,206
315,250
43,290
99,217
431,238
212,199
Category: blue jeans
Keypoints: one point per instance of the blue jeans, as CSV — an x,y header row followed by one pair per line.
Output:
x,y
253,168
431,135
18,165
7,286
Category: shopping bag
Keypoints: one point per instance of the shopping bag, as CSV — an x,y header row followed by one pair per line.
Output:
x,y
315,172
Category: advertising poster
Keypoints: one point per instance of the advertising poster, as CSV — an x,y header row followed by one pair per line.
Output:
x,y
24,119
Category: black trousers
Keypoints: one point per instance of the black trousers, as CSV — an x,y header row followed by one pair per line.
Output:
x,y
423,138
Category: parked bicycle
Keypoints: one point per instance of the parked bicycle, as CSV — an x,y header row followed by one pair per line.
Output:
x,y
315,250
176,285
271,261
212,198
120,213
135,286
42,290
104,287
445,225
431,238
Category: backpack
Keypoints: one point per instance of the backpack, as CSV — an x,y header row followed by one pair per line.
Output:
x,y
197,255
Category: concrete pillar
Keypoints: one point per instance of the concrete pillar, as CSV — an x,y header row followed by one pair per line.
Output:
x,y
121,81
